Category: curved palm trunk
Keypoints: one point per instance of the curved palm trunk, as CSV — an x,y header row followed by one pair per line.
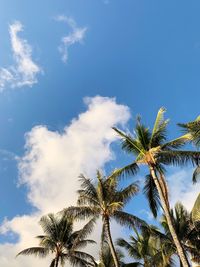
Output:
x,y
166,209
110,242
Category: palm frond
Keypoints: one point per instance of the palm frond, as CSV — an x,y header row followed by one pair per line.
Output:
x,y
177,143
143,135
196,210
127,193
128,170
52,263
133,264
192,128
127,219
87,186
132,252
49,225
151,194
129,144
83,243
82,212
36,251
80,257
196,175
159,129
83,233
178,158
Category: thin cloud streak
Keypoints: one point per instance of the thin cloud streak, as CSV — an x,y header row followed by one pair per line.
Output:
x,y
24,70
76,35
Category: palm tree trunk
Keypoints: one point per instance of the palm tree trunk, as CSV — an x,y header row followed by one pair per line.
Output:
x,y
166,209
164,188
110,242
102,242
56,262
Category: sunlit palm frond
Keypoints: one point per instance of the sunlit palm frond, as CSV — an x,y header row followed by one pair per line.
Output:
x,y
177,143
159,128
129,144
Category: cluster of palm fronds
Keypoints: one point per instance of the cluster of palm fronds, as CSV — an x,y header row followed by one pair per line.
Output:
x,y
179,231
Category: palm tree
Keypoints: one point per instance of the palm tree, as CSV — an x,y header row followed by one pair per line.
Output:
x,y
187,231
104,200
151,247
61,241
150,148
193,129
106,258
194,235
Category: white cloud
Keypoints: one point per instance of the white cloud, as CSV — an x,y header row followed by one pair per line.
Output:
x,y
24,70
8,155
76,35
182,189
50,167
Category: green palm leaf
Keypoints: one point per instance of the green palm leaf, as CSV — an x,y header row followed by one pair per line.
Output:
x,y
152,195
196,210
61,240
37,251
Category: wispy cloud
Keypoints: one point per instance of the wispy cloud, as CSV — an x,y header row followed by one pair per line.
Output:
x,y
8,155
24,70
76,35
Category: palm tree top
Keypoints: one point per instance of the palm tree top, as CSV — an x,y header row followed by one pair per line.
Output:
x,y
193,128
60,240
152,147
104,196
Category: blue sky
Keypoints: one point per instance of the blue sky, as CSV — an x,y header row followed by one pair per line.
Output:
x,y
145,54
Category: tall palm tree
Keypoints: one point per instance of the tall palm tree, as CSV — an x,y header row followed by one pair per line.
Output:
x,y
151,247
61,241
150,148
103,199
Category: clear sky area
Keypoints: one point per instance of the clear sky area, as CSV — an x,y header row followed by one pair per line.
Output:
x,y
69,71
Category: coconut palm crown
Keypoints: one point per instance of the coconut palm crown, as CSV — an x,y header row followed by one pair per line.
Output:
x,y
62,242
148,245
103,199
151,148
187,230
193,129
